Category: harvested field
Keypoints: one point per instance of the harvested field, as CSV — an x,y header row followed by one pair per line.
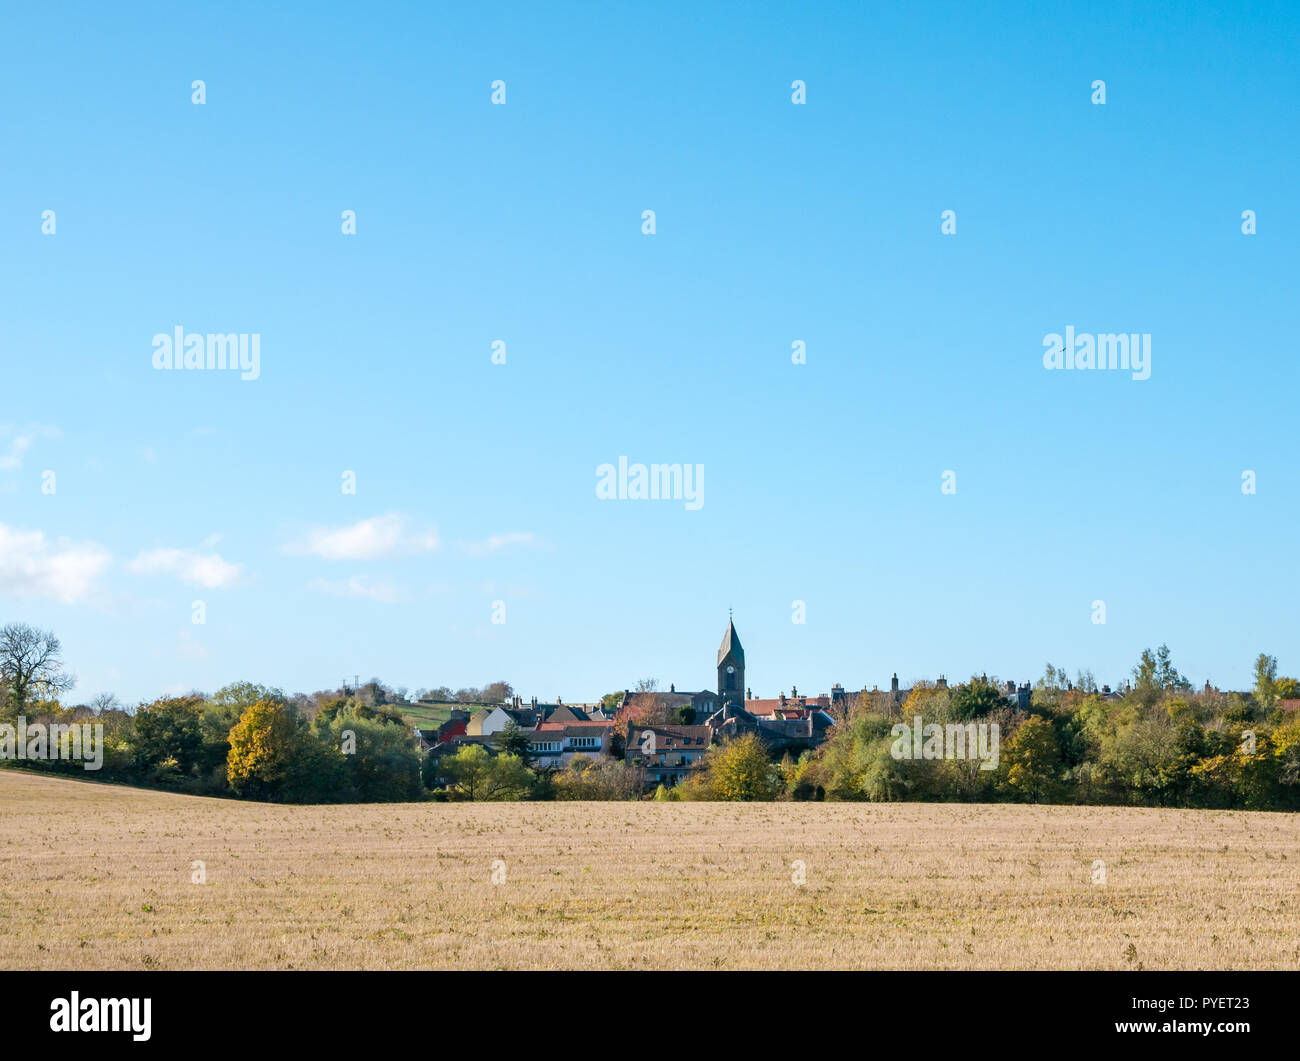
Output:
x,y
99,877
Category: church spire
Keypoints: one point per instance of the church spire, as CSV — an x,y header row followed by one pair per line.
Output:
x,y
731,644
731,667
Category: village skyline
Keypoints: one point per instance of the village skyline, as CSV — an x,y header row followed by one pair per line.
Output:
x,y
502,691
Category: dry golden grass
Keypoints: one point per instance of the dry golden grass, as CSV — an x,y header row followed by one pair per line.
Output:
x,y
93,876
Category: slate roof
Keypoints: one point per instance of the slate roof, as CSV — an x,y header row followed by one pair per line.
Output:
x,y
671,700
672,738
565,713
731,645
580,728
574,729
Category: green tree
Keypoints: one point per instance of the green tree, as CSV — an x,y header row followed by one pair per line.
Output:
x,y
169,729
317,772
474,773
1146,757
584,778
1167,676
381,761
839,768
1053,681
1146,681
31,666
1033,759
975,699
739,770
885,778
512,741
241,695
1266,681
262,747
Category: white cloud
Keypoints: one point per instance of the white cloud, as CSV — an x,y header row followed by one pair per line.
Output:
x,y
497,542
359,586
31,566
370,538
12,455
19,445
209,570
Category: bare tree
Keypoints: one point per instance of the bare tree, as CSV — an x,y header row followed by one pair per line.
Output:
x,y
105,702
30,664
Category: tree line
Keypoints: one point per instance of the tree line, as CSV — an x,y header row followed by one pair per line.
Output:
x,y
1157,743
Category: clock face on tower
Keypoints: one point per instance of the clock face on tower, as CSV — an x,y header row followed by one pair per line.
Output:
x,y
731,668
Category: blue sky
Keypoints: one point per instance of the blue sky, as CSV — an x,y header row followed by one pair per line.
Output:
x,y
775,222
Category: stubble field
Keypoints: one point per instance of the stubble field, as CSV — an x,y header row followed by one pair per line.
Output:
x,y
99,877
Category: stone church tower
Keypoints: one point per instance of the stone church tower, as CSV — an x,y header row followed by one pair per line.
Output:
x,y
731,669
